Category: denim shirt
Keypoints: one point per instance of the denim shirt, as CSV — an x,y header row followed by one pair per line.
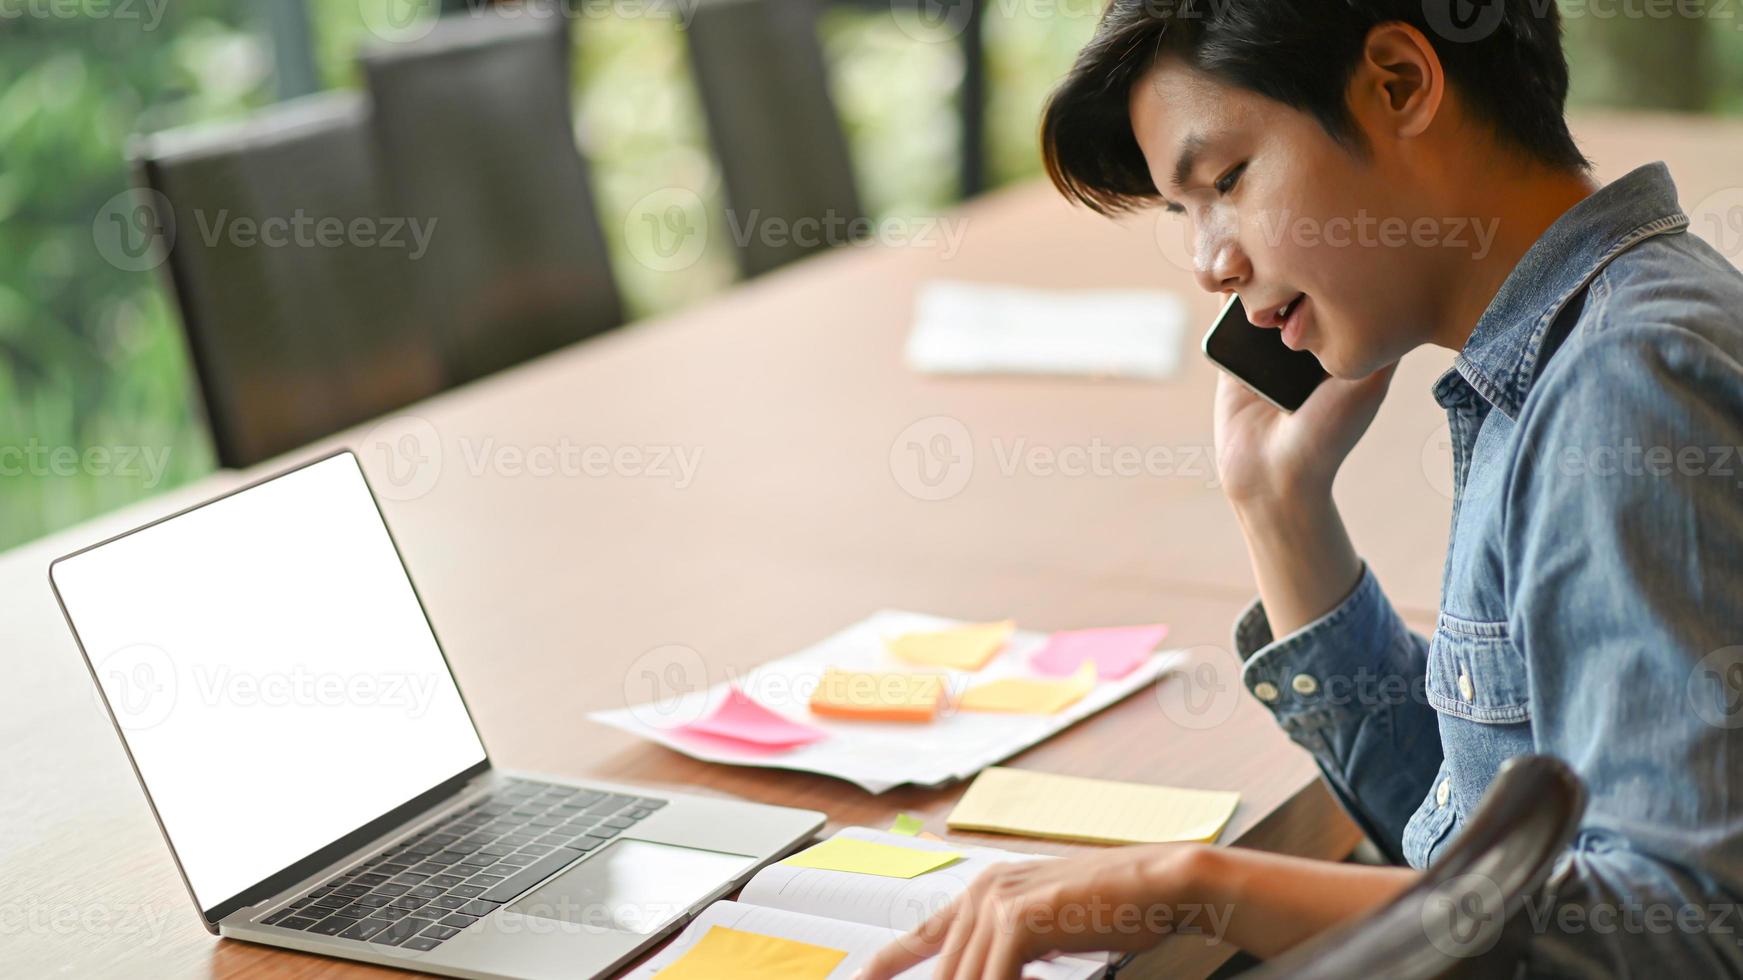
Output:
x,y
1591,603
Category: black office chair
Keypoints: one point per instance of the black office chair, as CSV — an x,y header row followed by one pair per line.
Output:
x,y
474,129
1462,918
293,334
761,78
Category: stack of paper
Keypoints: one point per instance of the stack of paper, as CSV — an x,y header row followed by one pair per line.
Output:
x,y
1095,811
976,328
878,755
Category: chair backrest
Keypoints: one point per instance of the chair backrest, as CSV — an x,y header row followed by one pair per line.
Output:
x,y
1461,918
295,314
761,77
474,130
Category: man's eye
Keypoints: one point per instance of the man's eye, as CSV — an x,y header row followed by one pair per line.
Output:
x,y
1227,181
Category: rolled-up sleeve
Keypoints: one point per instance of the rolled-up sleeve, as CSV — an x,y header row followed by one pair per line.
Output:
x,y
1348,688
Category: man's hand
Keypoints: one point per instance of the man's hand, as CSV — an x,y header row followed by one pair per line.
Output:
x,y
1265,455
1122,899
1277,470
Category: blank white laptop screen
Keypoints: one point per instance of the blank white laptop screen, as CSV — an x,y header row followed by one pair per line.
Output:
x,y
271,671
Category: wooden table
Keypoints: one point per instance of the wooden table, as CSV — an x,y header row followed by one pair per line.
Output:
x,y
803,514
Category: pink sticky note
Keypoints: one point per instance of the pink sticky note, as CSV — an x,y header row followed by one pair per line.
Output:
x,y
743,720
1115,650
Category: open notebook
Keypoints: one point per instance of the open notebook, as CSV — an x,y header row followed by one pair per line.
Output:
x,y
858,914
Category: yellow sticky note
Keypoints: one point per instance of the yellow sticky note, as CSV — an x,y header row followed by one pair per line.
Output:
x,y
959,648
869,858
877,697
906,824
1030,695
732,954
1096,811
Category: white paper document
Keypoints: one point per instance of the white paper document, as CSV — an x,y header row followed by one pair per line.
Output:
x,y
979,328
878,755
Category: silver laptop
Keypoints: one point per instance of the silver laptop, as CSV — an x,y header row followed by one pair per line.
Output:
x,y
315,771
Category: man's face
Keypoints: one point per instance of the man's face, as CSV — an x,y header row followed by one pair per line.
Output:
x,y
1283,215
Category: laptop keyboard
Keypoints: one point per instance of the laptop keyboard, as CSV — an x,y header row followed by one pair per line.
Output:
x,y
430,886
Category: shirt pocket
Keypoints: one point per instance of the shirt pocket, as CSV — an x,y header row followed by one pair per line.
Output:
x,y
1475,673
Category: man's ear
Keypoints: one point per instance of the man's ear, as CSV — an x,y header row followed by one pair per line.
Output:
x,y
1398,84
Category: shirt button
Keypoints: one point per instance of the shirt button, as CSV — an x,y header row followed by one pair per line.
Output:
x,y
1466,689
1443,793
1304,684
1265,691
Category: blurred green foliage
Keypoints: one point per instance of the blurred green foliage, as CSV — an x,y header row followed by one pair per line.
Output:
x,y
91,355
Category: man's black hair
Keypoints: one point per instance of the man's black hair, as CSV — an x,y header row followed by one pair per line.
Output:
x,y
1503,58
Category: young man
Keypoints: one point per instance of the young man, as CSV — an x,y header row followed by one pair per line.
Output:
x,y
1592,597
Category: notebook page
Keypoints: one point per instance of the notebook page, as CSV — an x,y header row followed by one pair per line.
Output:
x,y
891,903
900,904
860,942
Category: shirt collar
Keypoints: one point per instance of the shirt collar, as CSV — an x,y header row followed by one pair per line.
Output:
x,y
1501,358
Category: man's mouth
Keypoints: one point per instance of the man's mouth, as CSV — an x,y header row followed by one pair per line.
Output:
x,y
1294,322
1274,317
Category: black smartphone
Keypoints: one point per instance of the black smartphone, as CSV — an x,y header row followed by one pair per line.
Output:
x,y
1257,358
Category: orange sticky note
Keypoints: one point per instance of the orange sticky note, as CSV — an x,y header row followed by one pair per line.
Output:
x,y
877,697
1030,695
733,954
959,648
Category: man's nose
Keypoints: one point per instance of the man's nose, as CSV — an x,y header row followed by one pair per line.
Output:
x,y
1219,264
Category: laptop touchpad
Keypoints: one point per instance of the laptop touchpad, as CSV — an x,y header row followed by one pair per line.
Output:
x,y
632,886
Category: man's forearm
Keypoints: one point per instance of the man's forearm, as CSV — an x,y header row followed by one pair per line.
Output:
x,y
1271,902
1302,558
